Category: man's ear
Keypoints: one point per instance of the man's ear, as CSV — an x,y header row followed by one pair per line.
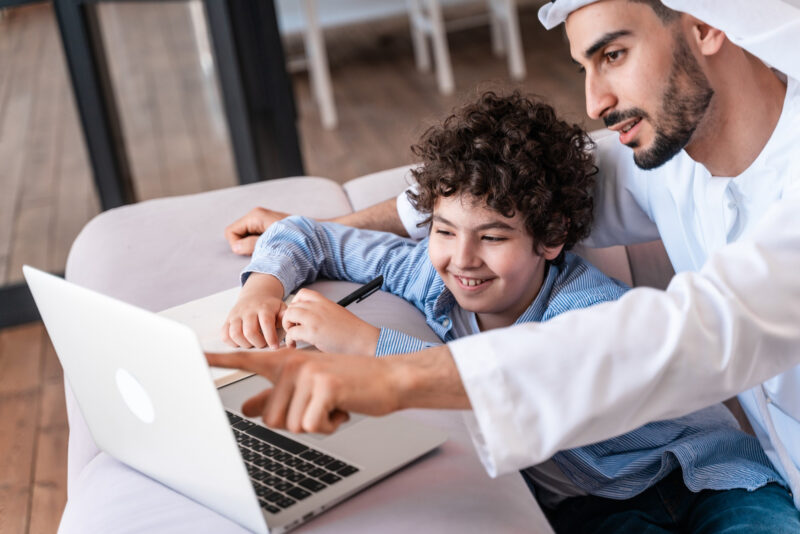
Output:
x,y
708,39
551,253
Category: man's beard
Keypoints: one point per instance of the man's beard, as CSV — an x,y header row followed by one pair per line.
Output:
x,y
680,113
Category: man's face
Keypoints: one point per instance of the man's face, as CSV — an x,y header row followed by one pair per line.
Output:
x,y
641,77
486,260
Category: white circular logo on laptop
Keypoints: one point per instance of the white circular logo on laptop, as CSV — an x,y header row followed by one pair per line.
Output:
x,y
135,396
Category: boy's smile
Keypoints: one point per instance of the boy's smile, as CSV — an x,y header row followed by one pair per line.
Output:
x,y
486,260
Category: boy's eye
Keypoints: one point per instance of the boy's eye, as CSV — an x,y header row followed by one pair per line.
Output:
x,y
440,231
493,238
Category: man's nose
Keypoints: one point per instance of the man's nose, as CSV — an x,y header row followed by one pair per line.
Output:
x,y
599,98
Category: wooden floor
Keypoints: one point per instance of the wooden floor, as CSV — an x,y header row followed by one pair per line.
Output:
x,y
177,143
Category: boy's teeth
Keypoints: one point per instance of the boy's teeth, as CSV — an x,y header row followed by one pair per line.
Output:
x,y
470,281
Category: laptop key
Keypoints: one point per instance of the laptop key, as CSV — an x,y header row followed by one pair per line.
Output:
x,y
292,461
330,478
324,459
283,486
298,493
282,457
270,507
335,465
294,476
311,484
310,455
286,502
243,425
271,466
316,473
304,467
347,471
273,438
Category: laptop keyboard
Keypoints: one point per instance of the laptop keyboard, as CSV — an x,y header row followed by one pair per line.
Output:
x,y
284,471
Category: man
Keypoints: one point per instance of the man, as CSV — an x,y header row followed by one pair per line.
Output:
x,y
707,161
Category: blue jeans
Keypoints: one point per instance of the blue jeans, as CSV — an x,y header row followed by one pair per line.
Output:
x,y
670,507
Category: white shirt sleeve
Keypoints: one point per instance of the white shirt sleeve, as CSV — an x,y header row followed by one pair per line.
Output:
x,y
591,374
410,217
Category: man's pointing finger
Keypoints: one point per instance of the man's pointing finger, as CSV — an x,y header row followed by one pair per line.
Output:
x,y
267,363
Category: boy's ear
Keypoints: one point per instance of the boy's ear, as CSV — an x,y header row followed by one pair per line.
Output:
x,y
551,253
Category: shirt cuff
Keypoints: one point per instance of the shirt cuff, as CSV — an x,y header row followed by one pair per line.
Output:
x,y
394,342
278,266
493,424
410,217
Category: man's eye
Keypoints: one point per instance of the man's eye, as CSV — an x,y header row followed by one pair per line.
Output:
x,y
613,55
493,239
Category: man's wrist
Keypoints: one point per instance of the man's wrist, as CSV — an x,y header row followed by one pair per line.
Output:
x,y
427,379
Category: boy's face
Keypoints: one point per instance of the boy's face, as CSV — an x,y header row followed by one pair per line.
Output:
x,y
486,260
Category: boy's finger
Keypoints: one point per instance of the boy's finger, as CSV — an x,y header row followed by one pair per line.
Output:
x,y
268,328
236,334
307,295
251,328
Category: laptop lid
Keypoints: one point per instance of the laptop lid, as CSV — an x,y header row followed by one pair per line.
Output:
x,y
143,386
147,395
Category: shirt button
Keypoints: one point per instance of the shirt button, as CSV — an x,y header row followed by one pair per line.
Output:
x,y
446,322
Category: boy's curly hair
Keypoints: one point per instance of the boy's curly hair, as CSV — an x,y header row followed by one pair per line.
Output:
x,y
513,153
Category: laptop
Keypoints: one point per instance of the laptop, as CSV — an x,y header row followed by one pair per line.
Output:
x,y
145,390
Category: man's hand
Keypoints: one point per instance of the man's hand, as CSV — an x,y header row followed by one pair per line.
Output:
x,y
313,392
314,319
255,318
243,233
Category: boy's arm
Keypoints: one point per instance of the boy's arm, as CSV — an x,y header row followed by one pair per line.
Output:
x,y
243,233
298,250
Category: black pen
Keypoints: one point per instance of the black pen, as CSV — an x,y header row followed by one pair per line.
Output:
x,y
362,292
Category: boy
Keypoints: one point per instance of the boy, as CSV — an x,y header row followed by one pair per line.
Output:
x,y
505,185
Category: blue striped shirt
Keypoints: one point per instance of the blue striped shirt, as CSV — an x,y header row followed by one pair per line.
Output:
x,y
708,446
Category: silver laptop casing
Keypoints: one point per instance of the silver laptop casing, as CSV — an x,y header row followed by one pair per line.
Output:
x,y
145,391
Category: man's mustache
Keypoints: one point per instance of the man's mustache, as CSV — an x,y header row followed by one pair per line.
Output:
x,y
616,117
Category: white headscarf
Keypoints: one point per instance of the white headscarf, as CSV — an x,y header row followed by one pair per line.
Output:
x,y
768,29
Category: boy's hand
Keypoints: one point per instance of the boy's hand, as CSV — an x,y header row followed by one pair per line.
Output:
x,y
321,322
254,321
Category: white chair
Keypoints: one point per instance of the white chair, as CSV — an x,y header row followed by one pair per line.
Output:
x,y
315,60
427,21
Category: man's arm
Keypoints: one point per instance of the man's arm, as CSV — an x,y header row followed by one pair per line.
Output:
x,y
382,217
314,392
243,233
